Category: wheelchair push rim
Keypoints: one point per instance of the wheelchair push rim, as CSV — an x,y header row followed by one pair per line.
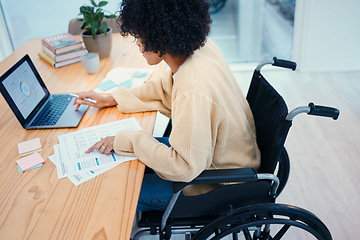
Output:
x,y
265,221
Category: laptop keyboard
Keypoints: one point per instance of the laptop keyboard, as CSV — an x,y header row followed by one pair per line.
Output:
x,y
52,111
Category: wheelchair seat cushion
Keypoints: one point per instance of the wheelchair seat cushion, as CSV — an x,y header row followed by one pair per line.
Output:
x,y
203,208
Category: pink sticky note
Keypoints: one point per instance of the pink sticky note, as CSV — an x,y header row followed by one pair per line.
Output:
x,y
37,166
30,161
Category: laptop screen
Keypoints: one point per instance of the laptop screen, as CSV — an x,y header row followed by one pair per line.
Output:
x,y
23,89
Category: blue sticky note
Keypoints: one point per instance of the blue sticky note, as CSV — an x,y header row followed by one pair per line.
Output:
x,y
126,84
139,74
37,166
106,85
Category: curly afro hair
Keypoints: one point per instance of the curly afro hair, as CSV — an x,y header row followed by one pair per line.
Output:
x,y
176,27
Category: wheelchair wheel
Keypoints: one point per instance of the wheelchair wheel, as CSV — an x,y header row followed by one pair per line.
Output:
x,y
266,221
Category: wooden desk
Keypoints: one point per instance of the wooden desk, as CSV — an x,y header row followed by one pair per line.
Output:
x,y
36,204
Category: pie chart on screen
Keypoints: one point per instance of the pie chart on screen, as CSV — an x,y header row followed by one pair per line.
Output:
x,y
25,88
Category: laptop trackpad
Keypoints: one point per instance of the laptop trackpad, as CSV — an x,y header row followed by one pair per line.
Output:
x,y
70,117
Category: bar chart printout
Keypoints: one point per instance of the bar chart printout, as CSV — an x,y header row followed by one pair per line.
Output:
x,y
71,160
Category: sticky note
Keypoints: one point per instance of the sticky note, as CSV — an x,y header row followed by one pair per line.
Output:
x,y
30,146
139,74
106,85
30,161
126,84
37,166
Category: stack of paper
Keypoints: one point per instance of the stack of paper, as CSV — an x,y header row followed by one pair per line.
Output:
x,y
70,158
123,77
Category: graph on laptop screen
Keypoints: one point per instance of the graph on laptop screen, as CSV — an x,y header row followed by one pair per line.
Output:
x,y
24,89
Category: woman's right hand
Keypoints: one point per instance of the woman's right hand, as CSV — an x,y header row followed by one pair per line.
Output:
x,y
101,101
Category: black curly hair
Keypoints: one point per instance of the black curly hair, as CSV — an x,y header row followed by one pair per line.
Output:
x,y
176,27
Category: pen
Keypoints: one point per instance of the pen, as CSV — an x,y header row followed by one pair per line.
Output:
x,y
87,99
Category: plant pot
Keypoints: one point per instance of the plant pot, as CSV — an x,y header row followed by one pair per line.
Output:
x,y
101,44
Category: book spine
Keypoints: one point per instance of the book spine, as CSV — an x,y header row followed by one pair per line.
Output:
x,y
68,55
68,48
67,62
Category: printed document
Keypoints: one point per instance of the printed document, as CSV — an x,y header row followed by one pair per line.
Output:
x,y
71,160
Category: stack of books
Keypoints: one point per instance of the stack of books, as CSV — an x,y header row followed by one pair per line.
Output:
x,y
62,49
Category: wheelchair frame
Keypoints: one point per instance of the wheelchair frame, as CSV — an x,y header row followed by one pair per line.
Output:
x,y
248,217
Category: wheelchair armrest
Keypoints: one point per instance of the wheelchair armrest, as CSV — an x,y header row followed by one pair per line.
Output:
x,y
220,176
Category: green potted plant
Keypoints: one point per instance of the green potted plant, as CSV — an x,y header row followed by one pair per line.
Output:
x,y
96,34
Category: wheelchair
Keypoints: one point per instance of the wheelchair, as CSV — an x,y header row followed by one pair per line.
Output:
x,y
247,208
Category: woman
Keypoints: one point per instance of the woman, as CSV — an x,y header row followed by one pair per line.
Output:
x,y
213,127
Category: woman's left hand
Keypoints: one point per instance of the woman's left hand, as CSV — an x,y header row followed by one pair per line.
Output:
x,y
105,145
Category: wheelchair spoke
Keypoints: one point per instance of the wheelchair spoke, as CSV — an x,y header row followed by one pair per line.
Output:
x,y
247,234
282,231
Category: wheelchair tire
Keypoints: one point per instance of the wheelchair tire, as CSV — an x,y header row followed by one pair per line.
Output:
x,y
266,221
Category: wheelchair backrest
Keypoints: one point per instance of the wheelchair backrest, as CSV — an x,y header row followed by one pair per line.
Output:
x,y
269,111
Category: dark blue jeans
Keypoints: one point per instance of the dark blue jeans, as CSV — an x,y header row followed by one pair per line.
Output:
x,y
155,192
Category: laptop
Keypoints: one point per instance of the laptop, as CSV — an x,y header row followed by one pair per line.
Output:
x,y
31,101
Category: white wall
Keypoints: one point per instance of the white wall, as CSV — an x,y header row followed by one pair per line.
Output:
x,y
46,17
249,29
5,44
327,35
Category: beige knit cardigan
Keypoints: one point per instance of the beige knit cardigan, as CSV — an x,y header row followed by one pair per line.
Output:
x,y
213,127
